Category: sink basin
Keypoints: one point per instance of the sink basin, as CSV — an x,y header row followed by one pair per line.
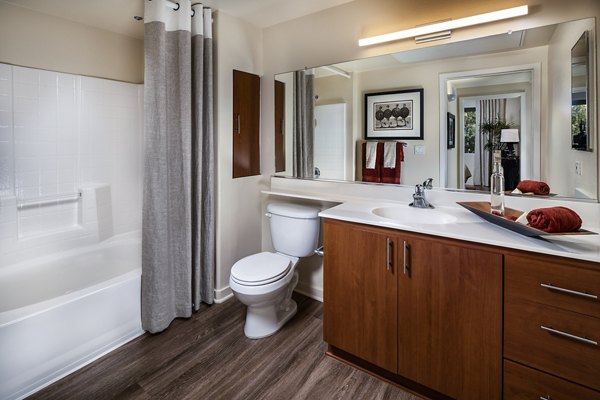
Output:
x,y
411,215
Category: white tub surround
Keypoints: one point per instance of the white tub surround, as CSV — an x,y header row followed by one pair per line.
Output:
x,y
61,312
358,201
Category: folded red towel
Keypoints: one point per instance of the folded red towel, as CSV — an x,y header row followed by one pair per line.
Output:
x,y
392,175
372,175
535,187
554,219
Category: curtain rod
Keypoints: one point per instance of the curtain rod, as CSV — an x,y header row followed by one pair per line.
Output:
x,y
175,6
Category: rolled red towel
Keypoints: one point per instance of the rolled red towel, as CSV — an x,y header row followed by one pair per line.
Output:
x,y
535,187
554,219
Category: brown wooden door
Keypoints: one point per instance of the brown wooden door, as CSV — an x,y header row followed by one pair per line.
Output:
x,y
279,126
360,298
246,124
450,318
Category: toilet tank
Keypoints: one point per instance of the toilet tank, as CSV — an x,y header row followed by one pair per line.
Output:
x,y
294,228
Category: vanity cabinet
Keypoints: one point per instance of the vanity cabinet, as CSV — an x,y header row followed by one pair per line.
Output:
x,y
424,309
361,293
552,324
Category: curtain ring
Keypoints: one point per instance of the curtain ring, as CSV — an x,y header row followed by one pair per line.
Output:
x,y
175,9
193,12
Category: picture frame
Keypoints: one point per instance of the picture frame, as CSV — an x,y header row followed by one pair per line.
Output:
x,y
451,130
394,115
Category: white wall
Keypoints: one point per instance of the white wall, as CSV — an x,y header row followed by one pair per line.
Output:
x,y
238,46
59,134
559,144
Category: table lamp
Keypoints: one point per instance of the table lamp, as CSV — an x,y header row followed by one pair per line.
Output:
x,y
510,136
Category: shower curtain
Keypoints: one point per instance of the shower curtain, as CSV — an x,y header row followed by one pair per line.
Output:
x,y
178,243
304,124
488,110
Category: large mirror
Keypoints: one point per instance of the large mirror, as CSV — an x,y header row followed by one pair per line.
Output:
x,y
580,69
505,95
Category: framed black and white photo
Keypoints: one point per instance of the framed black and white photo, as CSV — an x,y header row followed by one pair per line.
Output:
x,y
394,115
451,130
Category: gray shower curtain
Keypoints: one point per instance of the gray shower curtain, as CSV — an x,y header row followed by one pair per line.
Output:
x,y
304,124
178,238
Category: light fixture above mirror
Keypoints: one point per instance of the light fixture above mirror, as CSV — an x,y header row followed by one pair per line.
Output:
x,y
443,30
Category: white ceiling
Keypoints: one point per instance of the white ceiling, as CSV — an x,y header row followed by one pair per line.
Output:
x,y
117,15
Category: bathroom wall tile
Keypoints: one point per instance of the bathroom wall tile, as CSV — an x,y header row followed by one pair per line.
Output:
x,y
5,118
21,89
26,75
48,78
5,103
5,72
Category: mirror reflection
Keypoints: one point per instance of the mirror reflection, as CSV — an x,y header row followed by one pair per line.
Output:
x,y
579,93
504,95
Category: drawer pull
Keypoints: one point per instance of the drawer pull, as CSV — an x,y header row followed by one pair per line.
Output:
x,y
568,335
545,398
569,291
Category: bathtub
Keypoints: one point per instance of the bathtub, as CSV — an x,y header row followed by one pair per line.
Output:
x,y
61,312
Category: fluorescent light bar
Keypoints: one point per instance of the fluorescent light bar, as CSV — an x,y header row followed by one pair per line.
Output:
x,y
446,25
433,36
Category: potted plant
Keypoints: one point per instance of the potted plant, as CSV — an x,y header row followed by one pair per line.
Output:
x,y
491,131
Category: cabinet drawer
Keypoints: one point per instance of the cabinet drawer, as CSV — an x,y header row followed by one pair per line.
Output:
x,y
523,383
526,341
560,285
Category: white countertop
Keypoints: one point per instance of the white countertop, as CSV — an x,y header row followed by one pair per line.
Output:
x,y
472,228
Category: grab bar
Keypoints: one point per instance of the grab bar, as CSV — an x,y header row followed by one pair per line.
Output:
x,y
47,200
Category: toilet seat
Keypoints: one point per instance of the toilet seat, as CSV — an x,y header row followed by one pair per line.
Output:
x,y
260,269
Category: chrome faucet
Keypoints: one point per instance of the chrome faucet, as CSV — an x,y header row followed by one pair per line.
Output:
x,y
419,200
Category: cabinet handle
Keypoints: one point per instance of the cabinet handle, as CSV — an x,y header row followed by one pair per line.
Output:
x,y
239,124
389,264
389,247
568,335
545,398
406,266
569,291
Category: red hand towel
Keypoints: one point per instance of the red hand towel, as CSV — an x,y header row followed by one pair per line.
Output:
x,y
392,175
554,219
372,175
539,188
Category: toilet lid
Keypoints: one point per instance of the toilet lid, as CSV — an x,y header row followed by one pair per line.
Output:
x,y
260,269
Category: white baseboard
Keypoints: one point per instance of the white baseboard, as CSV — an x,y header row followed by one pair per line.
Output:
x,y
310,291
222,295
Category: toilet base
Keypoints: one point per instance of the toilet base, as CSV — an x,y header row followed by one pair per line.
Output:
x,y
265,321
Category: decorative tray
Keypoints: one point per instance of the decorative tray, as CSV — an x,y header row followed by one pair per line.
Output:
x,y
483,209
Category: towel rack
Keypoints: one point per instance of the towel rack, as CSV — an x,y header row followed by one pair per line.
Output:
x,y
47,200
383,141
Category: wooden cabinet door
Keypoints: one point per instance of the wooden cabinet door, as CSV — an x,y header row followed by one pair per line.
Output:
x,y
246,124
450,318
360,292
279,126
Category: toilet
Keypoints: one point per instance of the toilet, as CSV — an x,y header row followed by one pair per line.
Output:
x,y
265,281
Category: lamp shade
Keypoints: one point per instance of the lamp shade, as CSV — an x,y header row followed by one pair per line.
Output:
x,y
509,136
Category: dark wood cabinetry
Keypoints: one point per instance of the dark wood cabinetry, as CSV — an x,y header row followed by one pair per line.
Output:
x,y
551,324
360,312
426,309
246,124
279,126
450,318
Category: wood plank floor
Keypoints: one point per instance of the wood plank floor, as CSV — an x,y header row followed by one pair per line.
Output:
x,y
208,357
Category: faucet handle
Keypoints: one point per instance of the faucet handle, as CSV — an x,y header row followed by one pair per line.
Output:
x,y
428,184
